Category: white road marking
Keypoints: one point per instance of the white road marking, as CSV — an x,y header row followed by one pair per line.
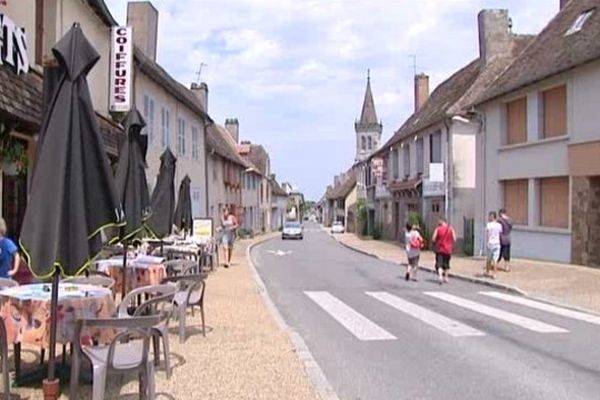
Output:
x,y
519,320
357,324
279,252
565,312
447,325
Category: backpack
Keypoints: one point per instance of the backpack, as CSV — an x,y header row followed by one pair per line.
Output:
x,y
416,242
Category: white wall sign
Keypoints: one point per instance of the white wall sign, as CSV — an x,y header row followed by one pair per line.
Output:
x,y
13,46
121,77
433,189
436,172
202,230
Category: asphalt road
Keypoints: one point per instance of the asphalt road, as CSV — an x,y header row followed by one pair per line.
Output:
x,y
376,336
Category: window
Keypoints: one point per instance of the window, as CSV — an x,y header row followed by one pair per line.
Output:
x,y
195,142
516,200
554,202
579,21
196,195
363,144
555,112
516,121
395,163
181,137
149,117
406,159
165,136
370,143
435,147
420,156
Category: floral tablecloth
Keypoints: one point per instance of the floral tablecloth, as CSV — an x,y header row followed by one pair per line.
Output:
x,y
25,311
138,273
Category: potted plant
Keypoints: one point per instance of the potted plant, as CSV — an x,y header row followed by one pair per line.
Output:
x,y
13,156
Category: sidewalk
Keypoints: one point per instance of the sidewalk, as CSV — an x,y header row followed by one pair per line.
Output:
x,y
243,356
571,285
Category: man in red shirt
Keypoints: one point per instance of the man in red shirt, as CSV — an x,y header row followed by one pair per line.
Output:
x,y
443,239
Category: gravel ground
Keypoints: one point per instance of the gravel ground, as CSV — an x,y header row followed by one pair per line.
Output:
x,y
243,356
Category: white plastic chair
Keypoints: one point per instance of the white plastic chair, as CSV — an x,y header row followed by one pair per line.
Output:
x,y
190,293
127,352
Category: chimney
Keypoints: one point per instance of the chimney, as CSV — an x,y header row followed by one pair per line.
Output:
x,y
143,18
562,4
421,90
201,93
494,34
233,127
272,176
336,180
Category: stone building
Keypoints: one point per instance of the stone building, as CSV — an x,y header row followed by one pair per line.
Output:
x,y
176,117
279,204
431,158
36,27
258,158
538,155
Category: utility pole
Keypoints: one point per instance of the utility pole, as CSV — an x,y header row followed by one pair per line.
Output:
x,y
414,63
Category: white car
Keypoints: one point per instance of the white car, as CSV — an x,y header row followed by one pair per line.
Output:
x,y
337,227
292,230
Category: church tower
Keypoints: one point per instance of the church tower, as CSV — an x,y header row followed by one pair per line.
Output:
x,y
368,129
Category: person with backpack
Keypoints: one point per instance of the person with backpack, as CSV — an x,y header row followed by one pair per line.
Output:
x,y
507,226
443,238
413,242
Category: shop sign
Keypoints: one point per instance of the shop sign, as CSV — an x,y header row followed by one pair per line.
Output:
x,y
202,230
121,59
13,46
433,188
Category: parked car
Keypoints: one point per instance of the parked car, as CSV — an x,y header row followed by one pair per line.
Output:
x,y
337,227
292,230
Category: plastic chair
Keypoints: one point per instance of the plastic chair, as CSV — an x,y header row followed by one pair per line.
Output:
x,y
210,255
127,352
163,306
176,267
97,280
4,354
190,293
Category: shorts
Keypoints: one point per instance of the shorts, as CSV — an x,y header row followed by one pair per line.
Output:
x,y
493,253
442,261
504,252
414,262
227,241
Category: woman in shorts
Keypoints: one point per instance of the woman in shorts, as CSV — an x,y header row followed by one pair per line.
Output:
x,y
443,238
413,243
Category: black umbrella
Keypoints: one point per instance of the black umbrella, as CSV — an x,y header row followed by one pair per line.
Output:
x,y
162,202
130,180
183,211
73,197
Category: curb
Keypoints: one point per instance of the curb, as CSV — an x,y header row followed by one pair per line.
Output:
x,y
461,277
315,374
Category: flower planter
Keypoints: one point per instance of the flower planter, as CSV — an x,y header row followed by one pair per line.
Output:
x,y
9,168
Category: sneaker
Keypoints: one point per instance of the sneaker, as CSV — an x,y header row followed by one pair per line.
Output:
x,y
407,276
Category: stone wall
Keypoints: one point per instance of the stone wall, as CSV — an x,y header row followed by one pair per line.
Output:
x,y
585,214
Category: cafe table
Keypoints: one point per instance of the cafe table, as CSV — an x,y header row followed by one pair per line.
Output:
x,y
25,311
141,271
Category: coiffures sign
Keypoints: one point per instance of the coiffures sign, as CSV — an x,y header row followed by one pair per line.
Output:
x,y
120,69
13,45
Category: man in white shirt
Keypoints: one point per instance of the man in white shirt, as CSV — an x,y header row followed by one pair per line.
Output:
x,y
493,230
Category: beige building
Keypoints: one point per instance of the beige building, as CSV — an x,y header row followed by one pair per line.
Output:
x,y
21,81
258,159
175,115
538,156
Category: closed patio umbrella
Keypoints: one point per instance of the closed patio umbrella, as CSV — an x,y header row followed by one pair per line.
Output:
x,y
183,211
131,184
162,202
73,197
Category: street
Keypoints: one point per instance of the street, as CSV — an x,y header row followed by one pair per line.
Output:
x,y
376,336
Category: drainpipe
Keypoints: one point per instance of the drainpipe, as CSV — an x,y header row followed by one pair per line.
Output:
x,y
206,155
447,192
483,150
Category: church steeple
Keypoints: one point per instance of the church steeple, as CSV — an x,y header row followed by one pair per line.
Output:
x,y
368,128
368,116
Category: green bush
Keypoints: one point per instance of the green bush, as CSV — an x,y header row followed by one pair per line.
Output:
x,y
416,219
245,233
377,232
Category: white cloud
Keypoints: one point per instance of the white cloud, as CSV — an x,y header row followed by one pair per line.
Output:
x,y
294,71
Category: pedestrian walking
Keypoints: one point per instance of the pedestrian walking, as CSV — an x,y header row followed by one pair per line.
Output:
x,y
443,238
9,254
493,231
507,226
229,225
413,242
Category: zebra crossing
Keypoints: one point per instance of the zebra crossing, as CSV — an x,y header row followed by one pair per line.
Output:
x,y
364,329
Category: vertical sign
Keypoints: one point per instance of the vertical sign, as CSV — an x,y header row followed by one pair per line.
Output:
x,y
120,69
202,230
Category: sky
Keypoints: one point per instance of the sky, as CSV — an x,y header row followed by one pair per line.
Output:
x,y
294,71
